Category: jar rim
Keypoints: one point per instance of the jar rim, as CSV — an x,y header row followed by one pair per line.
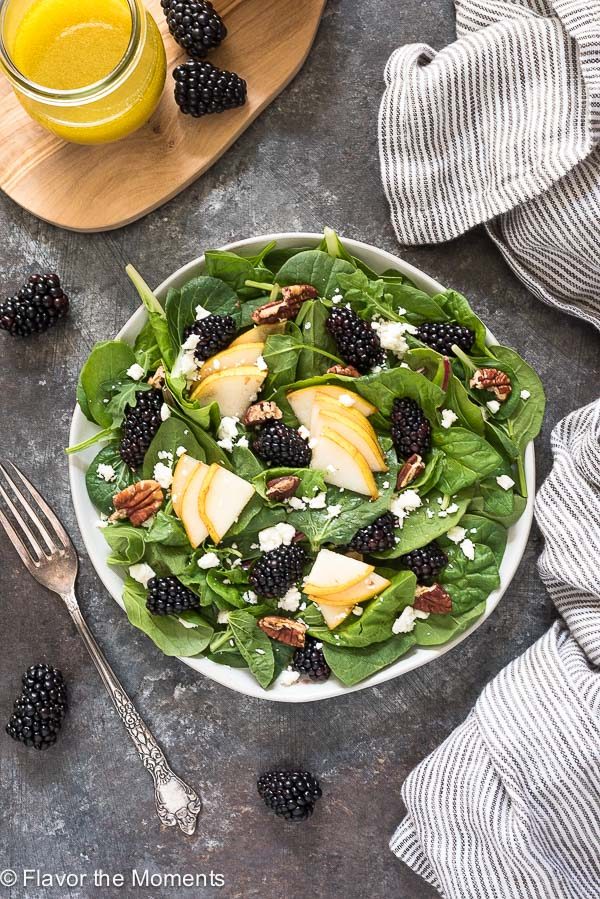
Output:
x,y
88,92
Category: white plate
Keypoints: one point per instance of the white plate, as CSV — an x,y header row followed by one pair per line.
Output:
x,y
240,679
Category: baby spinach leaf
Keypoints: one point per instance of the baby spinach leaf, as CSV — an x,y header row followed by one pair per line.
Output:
x,y
281,355
469,414
156,315
99,490
122,393
166,631
171,435
316,268
368,298
146,349
235,270
319,348
469,458
311,481
528,415
420,307
210,293
127,543
106,363
500,505
497,435
351,666
420,528
165,559
485,531
254,645
383,388
439,629
458,309
167,530
469,582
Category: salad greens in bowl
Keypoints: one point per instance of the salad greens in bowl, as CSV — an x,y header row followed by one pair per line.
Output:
x,y
304,466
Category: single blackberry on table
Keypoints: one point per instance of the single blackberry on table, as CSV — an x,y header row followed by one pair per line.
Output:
x,y
357,342
168,596
279,445
277,570
310,660
195,25
140,424
441,336
39,712
411,430
39,304
426,563
214,332
201,89
377,536
290,794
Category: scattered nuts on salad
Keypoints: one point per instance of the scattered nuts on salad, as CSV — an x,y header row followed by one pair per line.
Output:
x,y
411,469
138,502
258,413
497,382
284,630
433,599
282,488
347,371
287,307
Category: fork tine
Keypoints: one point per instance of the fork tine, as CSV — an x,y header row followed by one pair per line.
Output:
x,y
28,561
33,518
37,549
50,515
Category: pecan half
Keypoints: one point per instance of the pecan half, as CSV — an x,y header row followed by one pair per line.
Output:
x,y
257,413
411,469
284,630
433,599
497,382
347,370
157,380
285,308
138,502
282,488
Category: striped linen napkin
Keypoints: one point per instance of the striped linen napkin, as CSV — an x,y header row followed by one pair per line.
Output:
x,y
508,807
503,128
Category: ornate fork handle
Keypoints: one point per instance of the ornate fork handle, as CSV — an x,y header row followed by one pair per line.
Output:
x,y
176,802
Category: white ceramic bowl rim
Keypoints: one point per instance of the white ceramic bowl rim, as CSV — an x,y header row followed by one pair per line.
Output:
x,y
240,679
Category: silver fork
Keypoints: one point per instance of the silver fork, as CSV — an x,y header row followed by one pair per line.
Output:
x,y
52,560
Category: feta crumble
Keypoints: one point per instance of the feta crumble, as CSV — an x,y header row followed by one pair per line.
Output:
x,y
281,534
456,534
142,573
201,313
493,406
288,677
135,372
318,502
525,394
391,335
346,400
357,610
250,597
106,472
505,482
404,504
405,623
334,511
227,432
468,548
208,560
296,503
261,364
163,474
448,418
304,432
222,617
307,326
180,451
291,601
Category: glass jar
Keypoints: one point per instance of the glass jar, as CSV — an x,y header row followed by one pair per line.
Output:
x,y
118,100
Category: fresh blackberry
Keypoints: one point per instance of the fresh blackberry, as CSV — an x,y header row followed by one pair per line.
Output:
x,y
426,563
290,794
277,570
39,712
357,342
279,445
377,536
140,424
195,25
201,89
442,335
168,596
311,661
411,431
214,333
39,304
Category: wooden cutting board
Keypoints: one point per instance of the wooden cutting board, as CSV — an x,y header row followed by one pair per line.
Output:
x,y
105,187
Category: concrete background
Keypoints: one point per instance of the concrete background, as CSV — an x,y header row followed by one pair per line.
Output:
x,y
310,160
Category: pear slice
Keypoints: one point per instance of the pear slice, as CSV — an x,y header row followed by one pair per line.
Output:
x,y
329,404
365,589
334,615
342,464
233,389
258,334
337,420
222,499
333,571
232,357
190,516
302,401
185,468
339,393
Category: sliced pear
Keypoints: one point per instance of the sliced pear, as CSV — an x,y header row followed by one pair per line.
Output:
x,y
336,420
258,334
329,404
194,526
365,589
232,357
185,468
342,464
234,389
333,571
334,615
302,401
359,403
222,499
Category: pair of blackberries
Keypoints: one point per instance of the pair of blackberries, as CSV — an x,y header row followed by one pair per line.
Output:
x,y
39,304
39,712
426,563
201,88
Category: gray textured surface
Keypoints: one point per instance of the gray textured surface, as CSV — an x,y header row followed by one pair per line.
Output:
x,y
310,160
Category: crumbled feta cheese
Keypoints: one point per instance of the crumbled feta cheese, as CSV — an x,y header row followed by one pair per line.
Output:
x,y
391,335
337,297
525,394
307,326
304,432
312,442
493,406
201,313
430,513
291,600
405,623
296,503
163,474
452,508
106,472
505,482
318,502
331,468
180,451
102,522
448,418
135,372
142,573
468,548
191,343
166,455
260,652
357,610
281,534
334,510
243,442
227,432
288,677
222,617
385,485
404,504
404,365
250,597
261,364
346,400
456,534
208,560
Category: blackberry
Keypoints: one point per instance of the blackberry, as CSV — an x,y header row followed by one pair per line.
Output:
x,y
39,304
357,342
377,536
195,25
201,89
140,424
214,333
426,563
411,431
442,335
277,570
290,794
311,661
39,712
168,596
279,445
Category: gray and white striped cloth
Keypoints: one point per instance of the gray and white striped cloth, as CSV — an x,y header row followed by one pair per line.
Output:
x,y
508,807
502,127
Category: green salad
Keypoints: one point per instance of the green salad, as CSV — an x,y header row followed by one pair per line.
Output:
x,y
306,467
